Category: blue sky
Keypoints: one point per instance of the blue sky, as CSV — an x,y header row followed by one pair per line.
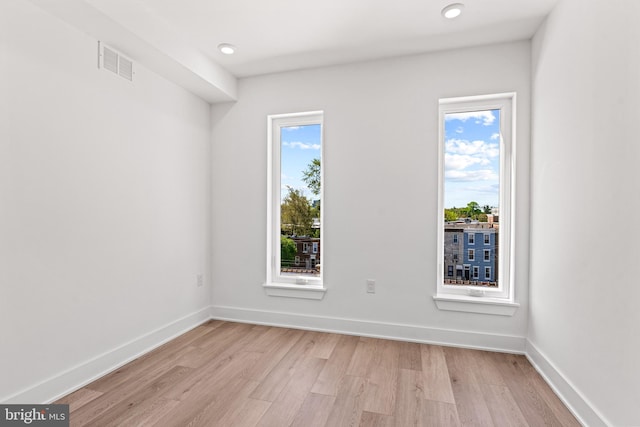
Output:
x,y
472,158
299,145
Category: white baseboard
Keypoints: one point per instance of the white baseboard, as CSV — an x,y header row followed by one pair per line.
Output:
x,y
72,379
570,396
393,331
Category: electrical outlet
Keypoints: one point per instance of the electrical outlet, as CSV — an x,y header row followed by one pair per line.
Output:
x,y
199,280
371,286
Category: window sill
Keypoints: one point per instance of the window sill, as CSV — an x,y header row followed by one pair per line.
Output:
x,y
289,290
480,305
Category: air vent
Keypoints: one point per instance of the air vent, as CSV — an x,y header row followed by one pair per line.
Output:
x,y
112,60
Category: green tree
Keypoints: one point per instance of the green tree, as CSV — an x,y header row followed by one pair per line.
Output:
x,y
295,213
483,217
312,176
288,250
450,215
486,209
473,210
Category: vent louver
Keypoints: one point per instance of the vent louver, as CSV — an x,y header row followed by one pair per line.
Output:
x,y
112,60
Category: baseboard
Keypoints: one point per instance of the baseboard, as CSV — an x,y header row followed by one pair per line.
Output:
x,y
72,379
570,396
393,331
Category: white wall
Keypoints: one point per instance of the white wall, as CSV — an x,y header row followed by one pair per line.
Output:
x,y
584,313
104,207
380,159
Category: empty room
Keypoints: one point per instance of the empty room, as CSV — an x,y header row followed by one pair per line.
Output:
x,y
296,213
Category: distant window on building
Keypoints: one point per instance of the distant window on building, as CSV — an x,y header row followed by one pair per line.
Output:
x,y
455,257
297,260
472,255
315,247
472,238
450,271
305,248
476,272
487,273
455,238
487,255
487,240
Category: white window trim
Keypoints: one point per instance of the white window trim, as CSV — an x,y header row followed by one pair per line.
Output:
x,y
486,258
485,237
276,284
471,254
500,301
471,238
487,269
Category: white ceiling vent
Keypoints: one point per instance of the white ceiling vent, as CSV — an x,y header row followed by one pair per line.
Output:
x,y
112,60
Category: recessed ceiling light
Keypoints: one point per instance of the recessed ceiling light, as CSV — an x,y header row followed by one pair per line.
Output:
x,y
226,48
453,10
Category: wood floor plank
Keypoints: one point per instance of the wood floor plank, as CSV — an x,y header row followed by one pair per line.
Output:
x,y
325,345
273,354
347,408
336,367
533,407
284,408
502,406
281,374
225,373
382,377
314,411
409,398
410,357
246,414
372,419
470,404
534,380
365,352
438,414
79,398
437,384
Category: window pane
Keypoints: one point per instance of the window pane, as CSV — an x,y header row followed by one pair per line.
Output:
x,y
472,194
300,200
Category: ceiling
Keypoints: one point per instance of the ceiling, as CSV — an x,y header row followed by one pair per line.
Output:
x,y
179,38
280,35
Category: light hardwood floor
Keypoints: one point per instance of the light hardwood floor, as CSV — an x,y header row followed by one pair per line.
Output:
x,y
234,374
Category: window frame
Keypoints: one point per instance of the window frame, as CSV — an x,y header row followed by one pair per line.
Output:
x,y
455,297
276,284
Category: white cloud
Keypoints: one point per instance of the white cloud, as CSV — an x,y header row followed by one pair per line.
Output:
x,y
290,128
472,148
460,129
301,145
462,161
474,175
495,136
485,117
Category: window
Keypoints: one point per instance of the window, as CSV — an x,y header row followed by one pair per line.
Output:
x,y
487,273
476,175
295,203
455,257
476,272
450,271
455,238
